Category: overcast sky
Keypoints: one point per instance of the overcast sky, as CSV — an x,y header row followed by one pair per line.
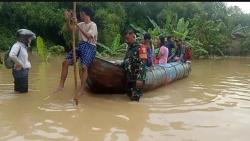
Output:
x,y
244,6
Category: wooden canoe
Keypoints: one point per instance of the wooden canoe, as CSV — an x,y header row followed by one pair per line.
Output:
x,y
105,77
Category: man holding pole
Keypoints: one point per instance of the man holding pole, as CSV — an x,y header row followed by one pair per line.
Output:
x,y
86,50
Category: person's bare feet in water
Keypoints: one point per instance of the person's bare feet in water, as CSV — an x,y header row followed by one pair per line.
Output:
x,y
78,95
60,88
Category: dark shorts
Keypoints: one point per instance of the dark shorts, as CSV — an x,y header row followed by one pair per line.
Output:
x,y
20,80
85,51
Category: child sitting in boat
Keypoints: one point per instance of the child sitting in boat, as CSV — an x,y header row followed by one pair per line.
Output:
x,y
188,52
148,45
162,55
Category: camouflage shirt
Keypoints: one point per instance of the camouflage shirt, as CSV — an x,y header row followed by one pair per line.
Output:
x,y
134,66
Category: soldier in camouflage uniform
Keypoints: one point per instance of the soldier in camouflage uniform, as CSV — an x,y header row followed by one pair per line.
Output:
x,y
134,67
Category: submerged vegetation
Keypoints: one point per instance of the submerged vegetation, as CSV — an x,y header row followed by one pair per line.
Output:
x,y
210,28
115,49
45,53
41,50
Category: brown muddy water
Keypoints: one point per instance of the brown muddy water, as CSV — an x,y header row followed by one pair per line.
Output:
x,y
212,104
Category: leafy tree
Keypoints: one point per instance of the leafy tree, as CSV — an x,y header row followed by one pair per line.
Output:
x,y
207,26
117,48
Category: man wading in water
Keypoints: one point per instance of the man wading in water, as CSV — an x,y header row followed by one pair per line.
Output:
x,y
19,55
134,67
86,50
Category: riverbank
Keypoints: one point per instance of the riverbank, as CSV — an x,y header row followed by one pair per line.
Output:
x,y
121,57
229,57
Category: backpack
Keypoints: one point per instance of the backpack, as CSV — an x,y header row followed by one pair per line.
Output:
x,y
188,53
8,62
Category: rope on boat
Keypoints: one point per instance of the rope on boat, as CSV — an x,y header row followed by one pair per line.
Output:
x,y
165,75
175,71
153,74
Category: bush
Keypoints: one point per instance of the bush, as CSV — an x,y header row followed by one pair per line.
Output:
x,y
7,38
245,46
110,21
41,49
44,19
1,60
56,50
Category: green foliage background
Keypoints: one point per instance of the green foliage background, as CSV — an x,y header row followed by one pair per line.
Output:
x,y
207,27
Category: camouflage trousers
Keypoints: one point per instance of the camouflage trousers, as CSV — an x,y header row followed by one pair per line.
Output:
x,y
133,92
134,70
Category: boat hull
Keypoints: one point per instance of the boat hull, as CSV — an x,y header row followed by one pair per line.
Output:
x,y
105,77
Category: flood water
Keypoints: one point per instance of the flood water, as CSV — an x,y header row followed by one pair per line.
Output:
x,y
212,104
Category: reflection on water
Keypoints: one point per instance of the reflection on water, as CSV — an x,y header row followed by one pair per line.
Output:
x,y
213,103
119,135
51,130
53,107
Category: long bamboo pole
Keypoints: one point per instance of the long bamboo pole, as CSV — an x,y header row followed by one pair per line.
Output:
x,y
74,44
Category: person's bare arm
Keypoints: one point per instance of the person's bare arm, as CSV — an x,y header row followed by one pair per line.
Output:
x,y
68,16
13,55
170,57
69,26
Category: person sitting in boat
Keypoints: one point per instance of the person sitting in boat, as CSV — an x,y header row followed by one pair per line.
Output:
x,y
148,44
188,52
86,50
134,67
162,56
156,52
170,45
179,52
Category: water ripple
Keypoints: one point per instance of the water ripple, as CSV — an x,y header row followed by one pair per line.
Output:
x,y
58,107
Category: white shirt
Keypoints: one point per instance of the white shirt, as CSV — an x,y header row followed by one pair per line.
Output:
x,y
23,55
90,28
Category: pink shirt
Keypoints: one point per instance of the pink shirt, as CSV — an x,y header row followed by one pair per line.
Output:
x,y
163,55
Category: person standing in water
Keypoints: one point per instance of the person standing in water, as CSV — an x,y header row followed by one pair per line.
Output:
x,y
134,67
19,55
